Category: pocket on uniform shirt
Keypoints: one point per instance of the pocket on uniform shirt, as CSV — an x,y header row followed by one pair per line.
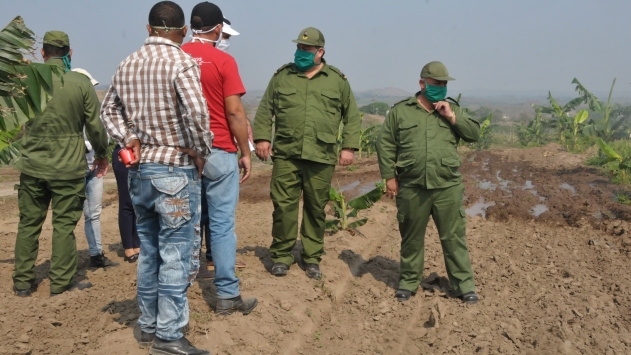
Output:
x,y
331,101
285,97
172,203
408,134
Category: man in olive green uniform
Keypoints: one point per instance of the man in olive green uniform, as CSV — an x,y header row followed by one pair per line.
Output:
x,y
53,169
418,157
308,99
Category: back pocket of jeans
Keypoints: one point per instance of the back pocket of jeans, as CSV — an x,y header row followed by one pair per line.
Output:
x,y
173,202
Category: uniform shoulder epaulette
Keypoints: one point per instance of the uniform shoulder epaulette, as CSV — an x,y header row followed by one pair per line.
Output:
x,y
337,71
400,101
282,67
454,101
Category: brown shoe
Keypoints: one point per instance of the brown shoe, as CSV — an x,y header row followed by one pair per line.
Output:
x,y
205,273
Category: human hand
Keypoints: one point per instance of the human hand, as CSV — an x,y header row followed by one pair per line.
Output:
x,y
346,157
444,110
392,187
101,167
264,150
245,166
134,144
199,162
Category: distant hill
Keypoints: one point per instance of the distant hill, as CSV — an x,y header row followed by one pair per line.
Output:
x,y
387,95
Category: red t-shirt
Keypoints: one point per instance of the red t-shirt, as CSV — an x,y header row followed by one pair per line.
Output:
x,y
220,78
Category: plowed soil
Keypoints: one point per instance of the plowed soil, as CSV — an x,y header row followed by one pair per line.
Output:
x,y
550,254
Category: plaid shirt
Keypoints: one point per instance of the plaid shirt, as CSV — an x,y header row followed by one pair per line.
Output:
x,y
157,91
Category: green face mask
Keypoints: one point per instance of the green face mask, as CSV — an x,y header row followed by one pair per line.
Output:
x,y
435,93
66,60
304,60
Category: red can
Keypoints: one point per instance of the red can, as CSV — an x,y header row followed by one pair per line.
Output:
x,y
127,155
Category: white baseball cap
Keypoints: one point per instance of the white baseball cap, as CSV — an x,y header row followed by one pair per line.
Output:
x,y
228,29
85,72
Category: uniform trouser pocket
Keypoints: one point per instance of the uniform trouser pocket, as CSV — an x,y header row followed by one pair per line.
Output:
x,y
173,203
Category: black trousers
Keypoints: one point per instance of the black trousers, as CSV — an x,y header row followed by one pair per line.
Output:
x,y
126,215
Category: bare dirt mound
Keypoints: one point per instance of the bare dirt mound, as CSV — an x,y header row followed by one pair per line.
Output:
x,y
549,284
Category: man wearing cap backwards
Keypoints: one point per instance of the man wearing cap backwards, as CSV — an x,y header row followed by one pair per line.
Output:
x,y
156,107
309,99
222,88
53,166
418,157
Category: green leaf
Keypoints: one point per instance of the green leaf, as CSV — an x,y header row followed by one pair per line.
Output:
x,y
573,104
10,153
331,224
609,152
359,223
367,200
352,214
338,210
581,116
589,98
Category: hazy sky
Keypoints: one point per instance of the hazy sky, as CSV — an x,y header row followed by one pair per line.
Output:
x,y
488,45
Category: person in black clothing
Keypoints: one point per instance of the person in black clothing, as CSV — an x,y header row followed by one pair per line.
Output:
x,y
126,215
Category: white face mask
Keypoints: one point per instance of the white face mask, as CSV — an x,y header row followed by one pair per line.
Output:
x,y
193,38
223,45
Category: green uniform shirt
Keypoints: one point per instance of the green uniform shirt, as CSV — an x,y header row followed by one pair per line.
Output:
x,y
308,113
53,146
419,148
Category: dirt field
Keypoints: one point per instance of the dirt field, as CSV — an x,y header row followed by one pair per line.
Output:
x,y
549,245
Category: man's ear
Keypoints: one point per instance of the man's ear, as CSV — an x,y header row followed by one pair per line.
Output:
x,y
70,56
184,30
149,30
421,83
42,52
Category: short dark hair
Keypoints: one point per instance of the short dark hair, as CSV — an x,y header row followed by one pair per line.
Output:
x,y
166,13
54,51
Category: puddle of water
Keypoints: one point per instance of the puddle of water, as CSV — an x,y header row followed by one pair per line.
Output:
x,y
479,208
598,215
503,183
528,185
541,198
359,188
487,185
366,188
567,186
485,165
538,210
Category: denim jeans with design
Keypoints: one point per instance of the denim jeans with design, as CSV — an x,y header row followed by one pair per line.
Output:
x,y
92,207
167,203
221,186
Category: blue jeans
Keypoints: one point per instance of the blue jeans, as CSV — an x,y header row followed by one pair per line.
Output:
x,y
167,204
92,207
221,185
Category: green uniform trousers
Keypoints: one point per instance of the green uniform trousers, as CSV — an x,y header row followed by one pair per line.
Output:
x,y
34,196
415,205
290,177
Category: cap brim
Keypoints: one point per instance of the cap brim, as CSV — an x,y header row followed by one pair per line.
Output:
x,y
442,78
303,42
229,30
94,82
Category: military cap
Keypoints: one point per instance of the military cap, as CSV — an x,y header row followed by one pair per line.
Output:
x,y
436,71
310,36
57,38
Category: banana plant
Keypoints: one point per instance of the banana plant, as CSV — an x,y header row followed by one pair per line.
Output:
x,y
25,87
578,120
563,120
624,163
343,210
532,134
367,139
613,117
486,134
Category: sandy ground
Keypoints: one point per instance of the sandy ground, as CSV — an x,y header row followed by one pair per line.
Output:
x,y
549,247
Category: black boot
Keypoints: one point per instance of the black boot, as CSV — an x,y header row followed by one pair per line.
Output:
x,y
470,298
280,269
313,271
146,339
101,261
403,295
175,347
231,305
